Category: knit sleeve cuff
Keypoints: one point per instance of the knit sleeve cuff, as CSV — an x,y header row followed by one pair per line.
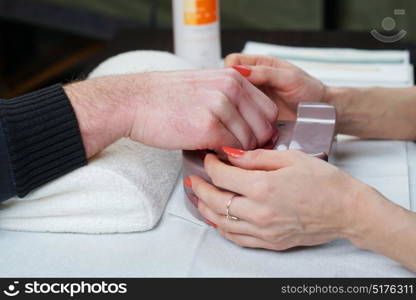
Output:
x,y
42,136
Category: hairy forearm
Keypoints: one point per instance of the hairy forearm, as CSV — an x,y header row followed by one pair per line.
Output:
x,y
103,109
375,113
384,227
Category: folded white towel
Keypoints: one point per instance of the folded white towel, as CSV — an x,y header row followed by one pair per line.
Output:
x,y
123,189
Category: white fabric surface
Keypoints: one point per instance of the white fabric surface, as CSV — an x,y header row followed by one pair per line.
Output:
x,y
181,245
123,189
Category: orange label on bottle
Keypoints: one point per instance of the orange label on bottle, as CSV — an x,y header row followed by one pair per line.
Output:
x,y
200,12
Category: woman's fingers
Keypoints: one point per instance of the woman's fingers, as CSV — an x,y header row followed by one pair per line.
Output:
x,y
260,159
217,200
221,221
249,173
255,60
233,178
278,78
244,233
249,241
241,226
249,230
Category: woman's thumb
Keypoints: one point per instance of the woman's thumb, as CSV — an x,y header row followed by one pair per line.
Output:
x,y
260,159
262,75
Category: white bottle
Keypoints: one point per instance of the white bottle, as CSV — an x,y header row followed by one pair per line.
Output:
x,y
197,32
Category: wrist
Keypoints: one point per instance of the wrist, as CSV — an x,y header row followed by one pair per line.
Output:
x,y
337,96
352,114
385,228
103,111
374,219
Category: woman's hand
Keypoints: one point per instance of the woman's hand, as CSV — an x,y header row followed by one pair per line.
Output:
x,y
173,110
374,112
280,80
284,199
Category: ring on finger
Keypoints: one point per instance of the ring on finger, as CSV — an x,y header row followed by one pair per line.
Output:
x,y
227,212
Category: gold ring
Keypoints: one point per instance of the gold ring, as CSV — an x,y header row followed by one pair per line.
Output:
x,y
227,214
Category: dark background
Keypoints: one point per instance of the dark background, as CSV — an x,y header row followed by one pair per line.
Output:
x,y
49,41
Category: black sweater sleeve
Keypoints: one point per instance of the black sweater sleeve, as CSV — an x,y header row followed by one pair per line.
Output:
x,y
39,141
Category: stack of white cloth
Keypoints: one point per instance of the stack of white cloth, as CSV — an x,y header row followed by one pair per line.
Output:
x,y
123,189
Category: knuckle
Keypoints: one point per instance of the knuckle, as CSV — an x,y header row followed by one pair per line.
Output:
x,y
269,236
211,134
232,83
212,124
220,103
256,155
263,217
274,111
215,180
261,188
295,74
231,58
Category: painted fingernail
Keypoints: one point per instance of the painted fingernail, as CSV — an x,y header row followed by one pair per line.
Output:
x,y
235,153
210,223
188,182
243,70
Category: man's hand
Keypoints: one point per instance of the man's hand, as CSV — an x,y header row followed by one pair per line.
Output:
x,y
280,80
173,110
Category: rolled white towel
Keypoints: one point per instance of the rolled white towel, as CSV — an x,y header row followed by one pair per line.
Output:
x,y
123,189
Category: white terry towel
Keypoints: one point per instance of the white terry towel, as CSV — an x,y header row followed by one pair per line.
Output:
x,y
123,189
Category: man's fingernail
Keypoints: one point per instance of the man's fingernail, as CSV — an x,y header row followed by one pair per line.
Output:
x,y
243,70
235,153
210,223
188,182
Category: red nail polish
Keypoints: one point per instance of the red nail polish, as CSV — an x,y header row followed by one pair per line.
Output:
x,y
210,223
243,70
188,182
235,153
